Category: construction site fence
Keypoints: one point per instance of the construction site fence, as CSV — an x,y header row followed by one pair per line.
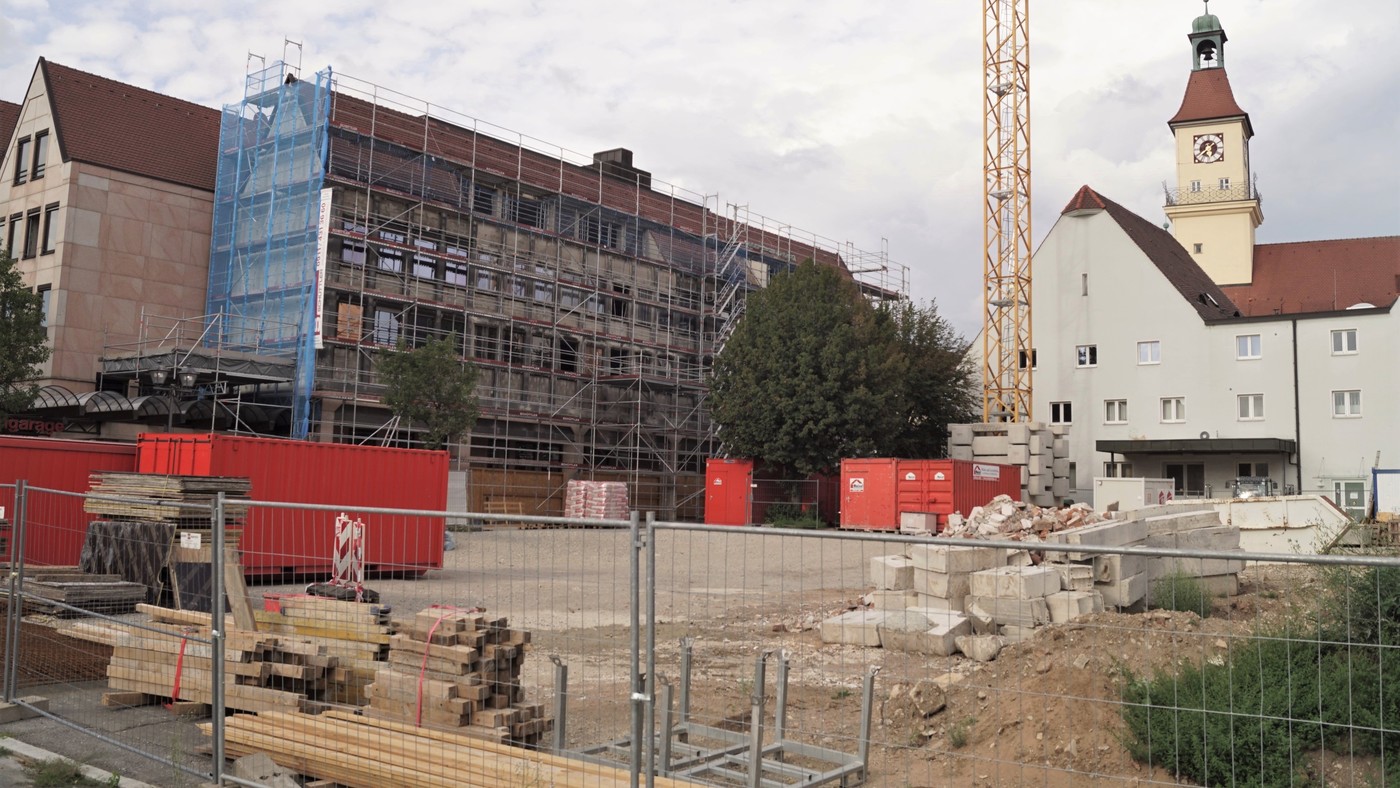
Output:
x,y
675,652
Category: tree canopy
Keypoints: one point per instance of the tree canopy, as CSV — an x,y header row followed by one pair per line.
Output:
x,y
432,386
814,373
23,339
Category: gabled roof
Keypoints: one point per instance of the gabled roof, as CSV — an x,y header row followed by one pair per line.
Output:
x,y
1209,97
111,124
9,116
1204,295
1321,276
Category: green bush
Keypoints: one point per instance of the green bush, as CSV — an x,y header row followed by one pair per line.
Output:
x,y
1332,683
791,515
1182,592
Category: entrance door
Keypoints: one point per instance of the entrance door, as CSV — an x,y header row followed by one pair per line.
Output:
x,y
1189,477
1351,497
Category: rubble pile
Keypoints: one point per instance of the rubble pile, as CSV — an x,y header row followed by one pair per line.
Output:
x,y
944,599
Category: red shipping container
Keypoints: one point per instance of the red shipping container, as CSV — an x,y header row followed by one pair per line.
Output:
x,y
284,541
57,524
728,499
876,491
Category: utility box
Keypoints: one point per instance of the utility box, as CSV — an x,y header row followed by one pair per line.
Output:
x,y
877,492
1132,492
58,524
281,541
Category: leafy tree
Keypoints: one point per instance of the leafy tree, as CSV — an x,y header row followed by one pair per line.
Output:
x,y
940,386
431,385
807,377
23,339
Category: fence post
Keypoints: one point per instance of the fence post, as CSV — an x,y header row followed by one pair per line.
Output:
x,y
638,696
14,609
650,684
216,635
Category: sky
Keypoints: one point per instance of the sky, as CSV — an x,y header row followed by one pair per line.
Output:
x,y
857,122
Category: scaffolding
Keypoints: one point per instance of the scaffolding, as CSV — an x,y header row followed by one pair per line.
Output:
x,y
591,297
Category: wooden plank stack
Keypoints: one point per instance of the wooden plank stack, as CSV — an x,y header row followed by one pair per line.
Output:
x,y
357,634
363,752
162,497
105,593
458,670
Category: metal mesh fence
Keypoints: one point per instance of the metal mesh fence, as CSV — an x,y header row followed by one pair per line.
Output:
x,y
768,656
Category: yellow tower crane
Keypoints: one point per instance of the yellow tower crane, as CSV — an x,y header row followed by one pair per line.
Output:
x,y
1007,355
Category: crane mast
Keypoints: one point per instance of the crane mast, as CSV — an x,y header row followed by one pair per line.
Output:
x,y
1007,354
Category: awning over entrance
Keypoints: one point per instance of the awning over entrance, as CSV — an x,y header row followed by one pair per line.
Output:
x,y
1200,446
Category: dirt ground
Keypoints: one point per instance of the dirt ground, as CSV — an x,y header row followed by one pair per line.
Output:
x,y
1046,712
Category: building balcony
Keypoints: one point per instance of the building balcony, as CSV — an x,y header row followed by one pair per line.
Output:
x,y
1211,193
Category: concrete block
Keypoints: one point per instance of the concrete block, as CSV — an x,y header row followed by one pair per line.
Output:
x,y
960,434
1222,585
1014,634
1015,582
1222,537
1040,442
882,599
954,559
856,628
1066,606
1059,487
1018,455
989,444
960,453
999,459
1185,521
1045,500
942,584
1196,567
1025,476
1018,434
1075,577
1118,533
929,601
1060,467
918,523
982,648
892,572
1112,568
1059,448
1042,465
13,712
1125,592
1016,612
939,638
1098,601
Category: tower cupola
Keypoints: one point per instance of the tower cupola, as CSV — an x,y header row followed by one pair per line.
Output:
x,y
1207,41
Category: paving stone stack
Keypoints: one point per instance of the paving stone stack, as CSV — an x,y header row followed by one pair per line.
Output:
x,y
1041,450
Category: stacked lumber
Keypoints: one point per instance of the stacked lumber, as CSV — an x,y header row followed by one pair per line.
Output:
x,y
356,633
459,670
165,498
361,752
105,593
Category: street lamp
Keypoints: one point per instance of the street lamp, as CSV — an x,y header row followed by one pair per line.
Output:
x,y
180,381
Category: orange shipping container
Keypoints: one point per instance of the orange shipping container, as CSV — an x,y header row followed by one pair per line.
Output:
x,y
876,491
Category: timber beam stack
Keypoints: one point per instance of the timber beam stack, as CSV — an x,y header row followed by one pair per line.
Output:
x,y
361,752
356,633
459,670
173,499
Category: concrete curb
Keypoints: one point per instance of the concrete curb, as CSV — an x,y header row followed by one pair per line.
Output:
x,y
30,752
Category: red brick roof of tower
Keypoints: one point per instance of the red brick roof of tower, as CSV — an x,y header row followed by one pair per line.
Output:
x,y
9,116
122,127
1209,97
1321,276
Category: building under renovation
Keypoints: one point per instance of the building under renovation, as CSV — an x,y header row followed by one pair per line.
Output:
x,y
350,220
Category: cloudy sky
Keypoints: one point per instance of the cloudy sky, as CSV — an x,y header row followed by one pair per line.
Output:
x,y
860,122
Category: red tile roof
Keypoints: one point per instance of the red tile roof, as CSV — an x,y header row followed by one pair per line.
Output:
x,y
9,116
1321,276
1209,97
111,124
1204,295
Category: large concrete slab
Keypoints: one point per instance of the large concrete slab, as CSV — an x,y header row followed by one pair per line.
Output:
x,y
892,572
1016,612
1066,606
855,628
1125,592
942,584
938,638
955,559
1112,568
1015,582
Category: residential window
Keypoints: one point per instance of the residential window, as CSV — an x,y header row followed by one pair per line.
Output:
x,y
1195,186
1259,469
1173,409
525,211
424,267
1343,341
1074,476
1150,352
1115,411
386,327
352,252
46,247
1224,184
22,154
41,155
1251,407
1084,284
1248,346
1118,470
483,199
1061,413
46,298
13,234
3,225
1086,355
486,279
454,273
1346,404
597,231
1021,359
31,233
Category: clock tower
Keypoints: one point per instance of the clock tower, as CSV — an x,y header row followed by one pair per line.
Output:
x,y
1214,209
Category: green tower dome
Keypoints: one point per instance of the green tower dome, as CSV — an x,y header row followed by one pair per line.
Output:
x,y
1206,23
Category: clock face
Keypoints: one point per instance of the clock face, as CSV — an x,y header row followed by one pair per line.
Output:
x,y
1208,148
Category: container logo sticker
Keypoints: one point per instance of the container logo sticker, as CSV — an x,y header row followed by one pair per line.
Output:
x,y
719,482
986,472
909,477
857,484
938,477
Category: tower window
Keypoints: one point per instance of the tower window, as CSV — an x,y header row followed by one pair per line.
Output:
x,y
1084,284
1195,186
1224,184
1197,248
